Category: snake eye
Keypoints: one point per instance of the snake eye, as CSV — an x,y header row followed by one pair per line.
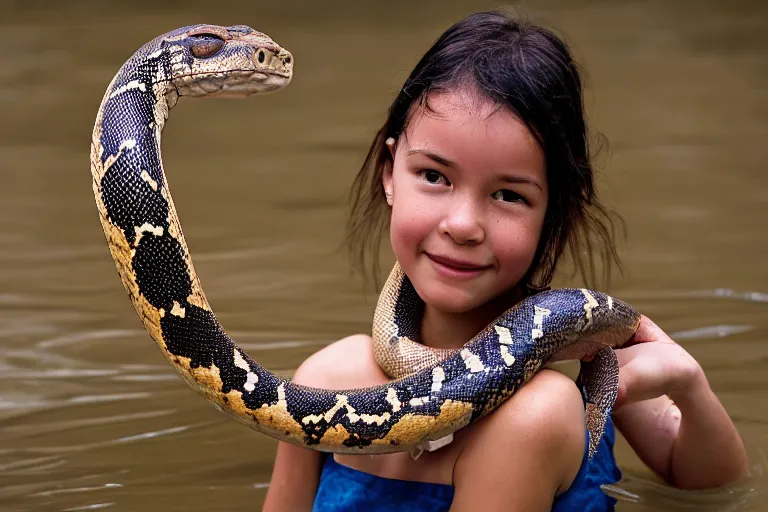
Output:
x,y
261,56
206,45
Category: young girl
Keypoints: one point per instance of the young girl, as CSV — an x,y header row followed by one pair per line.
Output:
x,y
482,173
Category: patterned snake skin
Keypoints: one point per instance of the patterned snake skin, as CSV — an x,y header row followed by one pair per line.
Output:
x,y
145,239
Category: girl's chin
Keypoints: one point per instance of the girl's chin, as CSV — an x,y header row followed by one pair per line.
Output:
x,y
451,301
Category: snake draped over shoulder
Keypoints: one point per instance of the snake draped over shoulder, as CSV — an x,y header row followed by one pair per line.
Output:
x,y
431,397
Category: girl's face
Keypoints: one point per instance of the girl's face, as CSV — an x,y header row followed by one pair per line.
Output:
x,y
468,191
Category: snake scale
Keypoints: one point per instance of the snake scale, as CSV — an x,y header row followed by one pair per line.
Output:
x,y
433,394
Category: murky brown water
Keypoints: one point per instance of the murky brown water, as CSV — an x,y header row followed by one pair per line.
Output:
x,y
91,415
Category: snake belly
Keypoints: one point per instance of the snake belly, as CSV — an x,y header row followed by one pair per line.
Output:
x,y
145,239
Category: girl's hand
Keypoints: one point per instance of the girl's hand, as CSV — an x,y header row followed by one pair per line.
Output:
x,y
653,365
671,417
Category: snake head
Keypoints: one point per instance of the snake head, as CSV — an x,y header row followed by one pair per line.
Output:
x,y
231,61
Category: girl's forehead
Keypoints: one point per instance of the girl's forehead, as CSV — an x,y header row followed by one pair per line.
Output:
x,y
465,99
469,129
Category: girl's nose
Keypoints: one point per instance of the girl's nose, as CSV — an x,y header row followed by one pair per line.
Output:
x,y
463,223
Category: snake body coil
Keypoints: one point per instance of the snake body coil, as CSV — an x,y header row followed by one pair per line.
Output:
x,y
147,244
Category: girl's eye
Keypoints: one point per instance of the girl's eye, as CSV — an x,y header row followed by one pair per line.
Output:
x,y
434,177
508,196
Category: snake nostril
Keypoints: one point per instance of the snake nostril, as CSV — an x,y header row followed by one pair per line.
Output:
x,y
287,60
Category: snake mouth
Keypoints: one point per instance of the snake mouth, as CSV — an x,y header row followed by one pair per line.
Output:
x,y
231,83
230,72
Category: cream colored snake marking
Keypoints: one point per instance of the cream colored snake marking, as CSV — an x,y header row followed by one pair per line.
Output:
x,y
432,397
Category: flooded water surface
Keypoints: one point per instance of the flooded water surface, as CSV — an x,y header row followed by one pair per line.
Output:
x,y
91,415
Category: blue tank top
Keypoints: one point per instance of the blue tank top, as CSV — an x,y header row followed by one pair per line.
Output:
x,y
343,489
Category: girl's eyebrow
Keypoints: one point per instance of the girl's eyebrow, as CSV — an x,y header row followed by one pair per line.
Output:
x,y
521,179
434,156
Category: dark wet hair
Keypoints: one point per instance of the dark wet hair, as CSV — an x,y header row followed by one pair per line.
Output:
x,y
529,70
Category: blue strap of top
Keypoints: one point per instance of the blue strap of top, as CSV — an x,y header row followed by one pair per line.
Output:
x,y
343,489
585,493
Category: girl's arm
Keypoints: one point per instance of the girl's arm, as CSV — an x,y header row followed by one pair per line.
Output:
x,y
295,477
296,472
672,418
526,452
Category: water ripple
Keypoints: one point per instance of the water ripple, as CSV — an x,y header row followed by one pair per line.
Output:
x,y
82,447
109,485
711,331
716,293
69,339
60,373
152,435
95,506
26,402
734,294
61,426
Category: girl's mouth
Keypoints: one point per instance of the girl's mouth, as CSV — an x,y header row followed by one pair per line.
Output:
x,y
456,268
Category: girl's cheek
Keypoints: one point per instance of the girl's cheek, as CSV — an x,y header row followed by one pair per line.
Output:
x,y
406,229
516,244
412,223
398,228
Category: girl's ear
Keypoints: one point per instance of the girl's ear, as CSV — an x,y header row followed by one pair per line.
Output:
x,y
387,175
387,182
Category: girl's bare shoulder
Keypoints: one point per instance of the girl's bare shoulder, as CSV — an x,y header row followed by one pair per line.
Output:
x,y
346,363
533,441
548,407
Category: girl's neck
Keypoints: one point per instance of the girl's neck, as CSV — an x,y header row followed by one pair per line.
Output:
x,y
440,329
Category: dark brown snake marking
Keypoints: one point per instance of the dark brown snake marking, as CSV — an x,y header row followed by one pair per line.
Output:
x,y
433,396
